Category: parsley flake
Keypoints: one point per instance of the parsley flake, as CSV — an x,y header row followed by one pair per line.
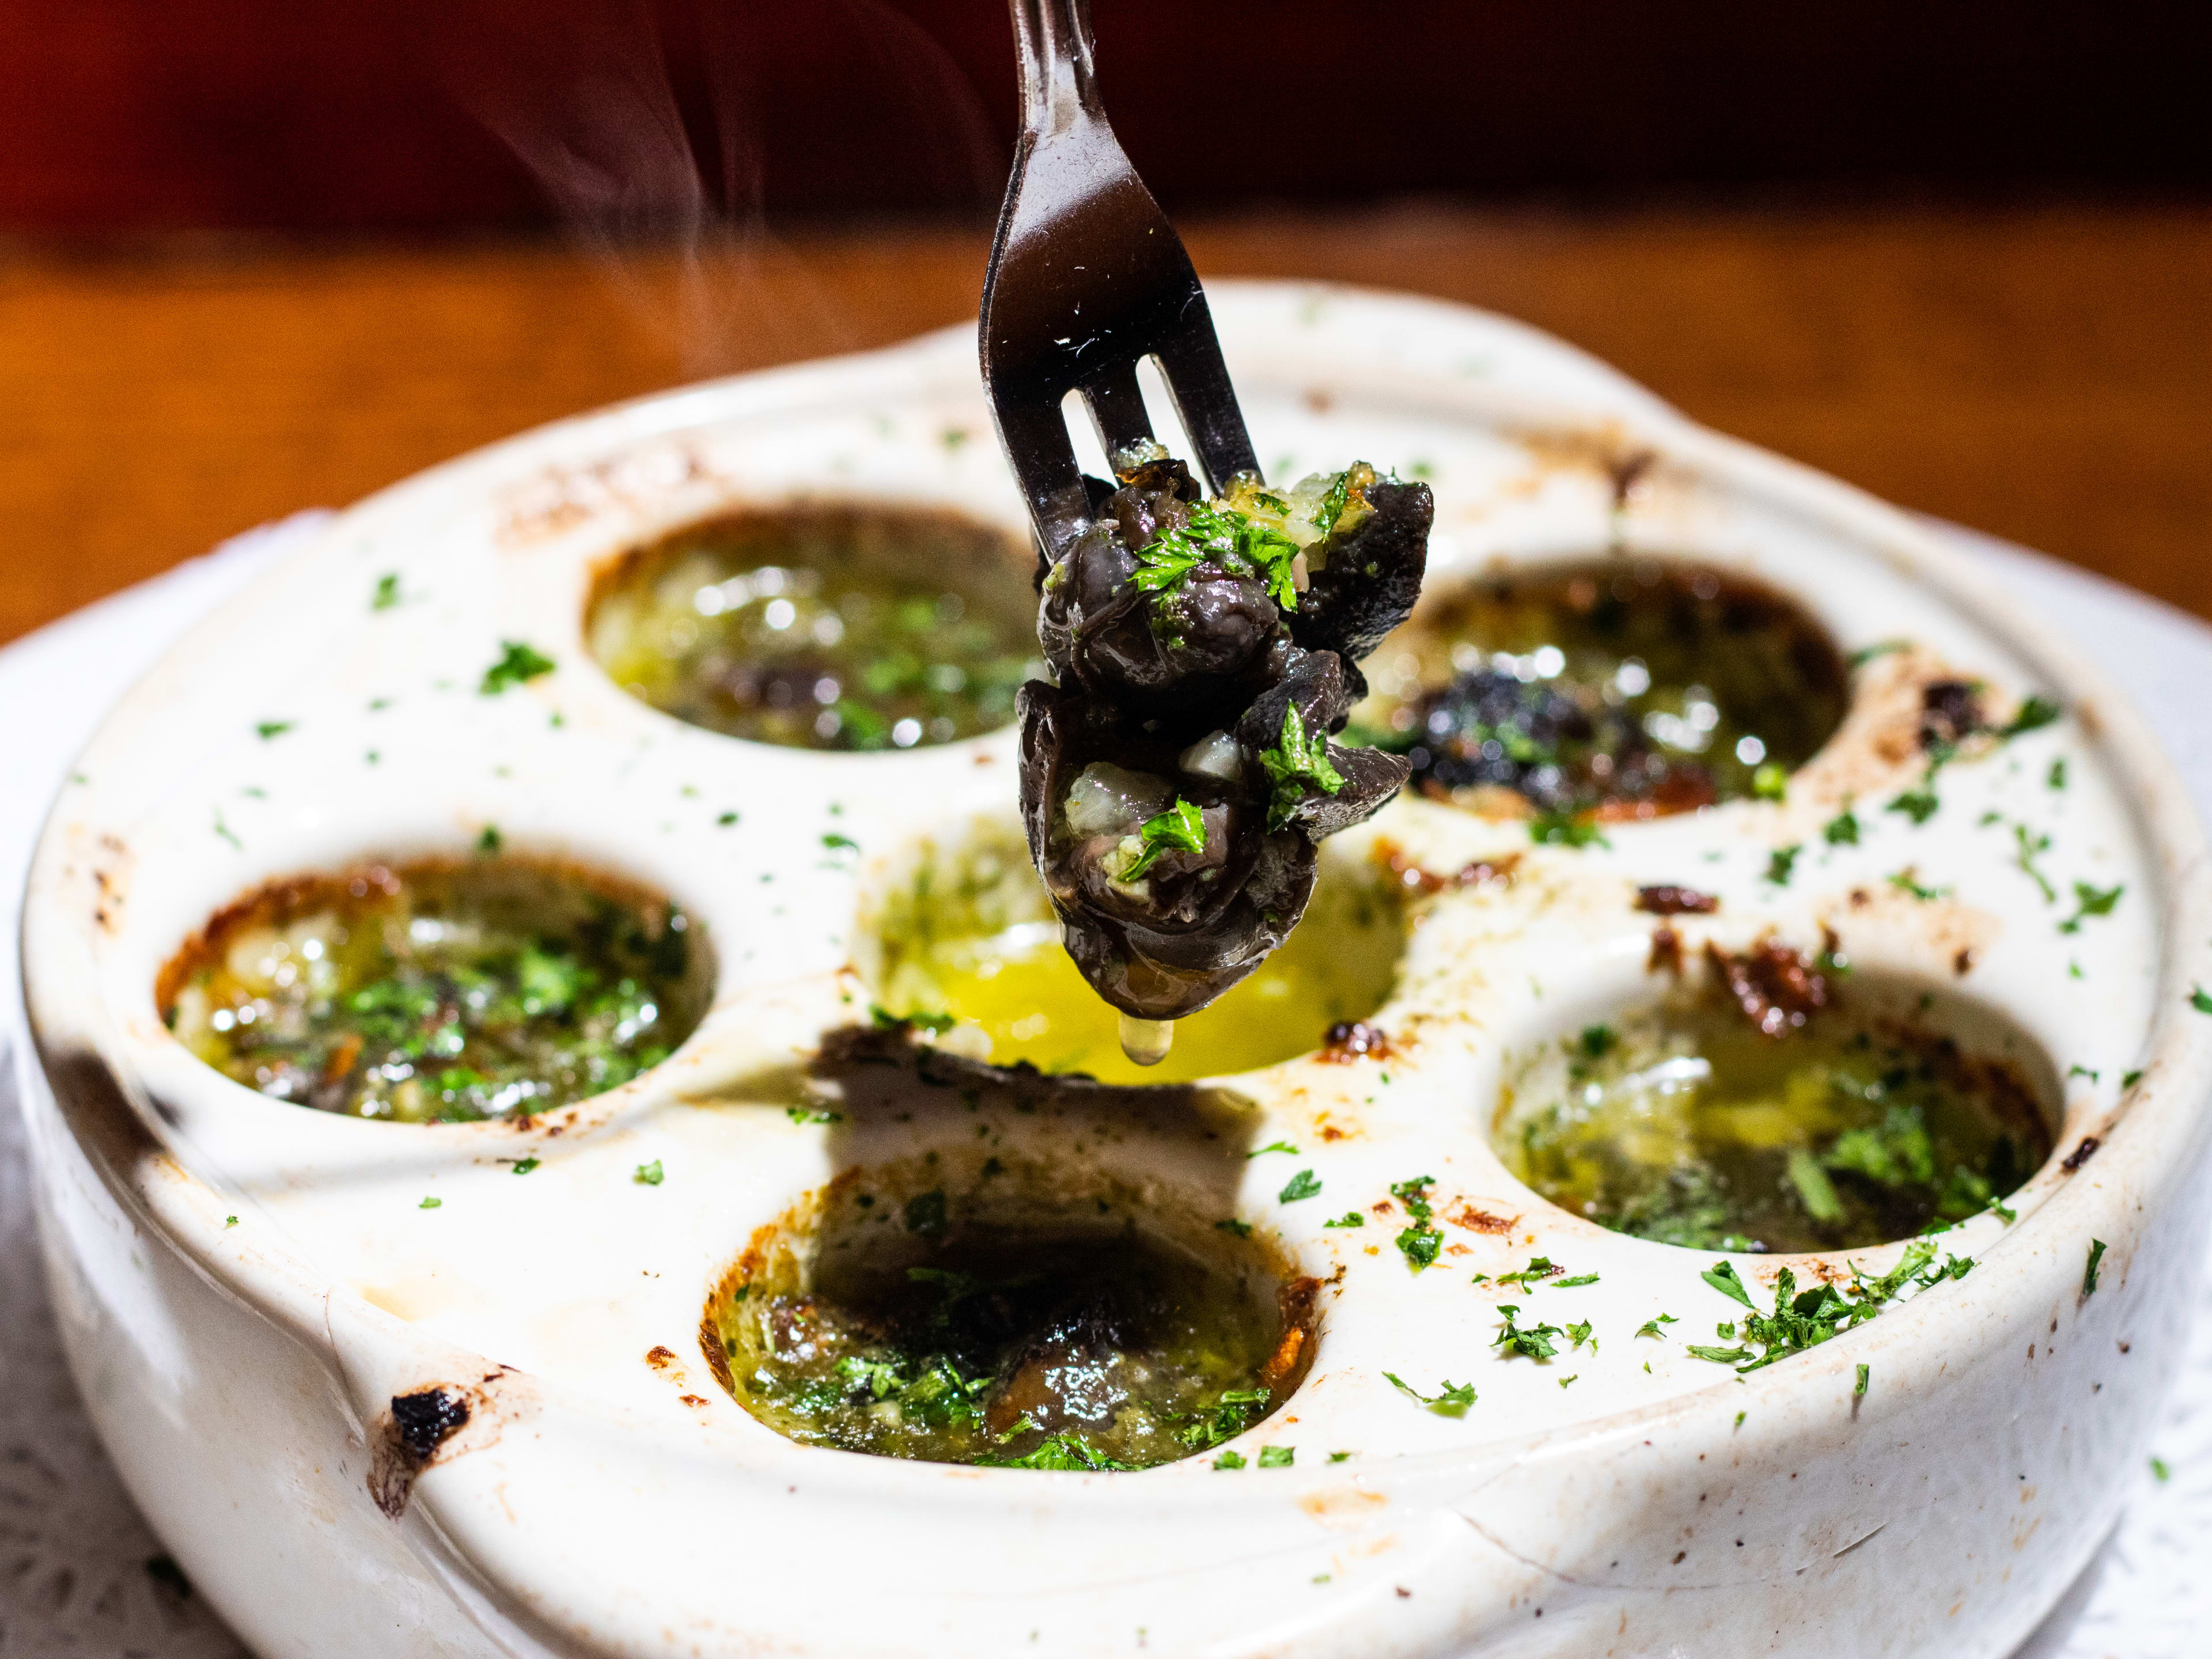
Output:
x,y
1650,1327
1231,1224
267,729
1843,830
2093,901
518,662
522,1165
1349,1218
1300,1186
1534,1342
2035,713
1179,828
1781,862
1452,1402
2089,1273
1272,1146
431,1204
648,1174
387,591
1228,1460
1225,538
1277,1457
1296,762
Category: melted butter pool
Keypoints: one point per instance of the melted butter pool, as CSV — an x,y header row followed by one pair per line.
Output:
x,y
971,942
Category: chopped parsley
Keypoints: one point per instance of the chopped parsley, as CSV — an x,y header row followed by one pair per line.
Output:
x,y
1650,1327
1533,1341
1272,1146
1566,828
2035,713
387,591
1223,537
1452,1402
1349,1218
2089,1273
267,729
1781,862
431,1204
1865,1373
2093,901
1722,1277
2029,846
1598,1041
1906,881
2160,1470
522,1165
2057,776
1802,1319
2200,1001
1420,1241
648,1174
1179,828
1296,762
1228,1460
1300,1186
1277,1457
1232,1226
1843,830
1918,804
516,663
2129,1080
1770,782
835,841
1538,1268
1579,1334
488,842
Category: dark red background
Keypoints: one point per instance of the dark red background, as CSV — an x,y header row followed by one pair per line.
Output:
x,y
138,115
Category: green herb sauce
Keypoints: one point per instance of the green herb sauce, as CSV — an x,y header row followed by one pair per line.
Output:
x,y
825,628
1689,1126
440,992
1009,1348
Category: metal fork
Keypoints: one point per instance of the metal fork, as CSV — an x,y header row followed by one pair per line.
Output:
x,y
1087,279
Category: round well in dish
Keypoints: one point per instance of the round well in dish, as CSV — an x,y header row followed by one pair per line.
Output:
x,y
1775,1102
965,938
972,1322
440,991
823,625
1621,687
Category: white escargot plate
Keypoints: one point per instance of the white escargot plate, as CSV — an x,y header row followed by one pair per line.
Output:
x,y
241,1371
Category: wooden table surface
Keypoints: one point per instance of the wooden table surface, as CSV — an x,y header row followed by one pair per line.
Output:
x,y
2045,375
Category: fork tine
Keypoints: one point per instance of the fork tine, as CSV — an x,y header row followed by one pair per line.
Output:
x,y
1198,380
1117,410
1048,475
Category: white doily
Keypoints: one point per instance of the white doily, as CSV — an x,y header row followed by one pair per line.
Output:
x,y
81,1573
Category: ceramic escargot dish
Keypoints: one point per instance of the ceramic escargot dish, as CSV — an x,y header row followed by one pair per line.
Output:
x,y
577,1115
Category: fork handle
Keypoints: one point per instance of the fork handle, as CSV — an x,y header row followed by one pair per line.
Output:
x,y
1059,91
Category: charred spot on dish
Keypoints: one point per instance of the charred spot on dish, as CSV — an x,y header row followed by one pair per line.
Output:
x,y
823,625
965,943
440,991
993,1327
1766,1104
1621,689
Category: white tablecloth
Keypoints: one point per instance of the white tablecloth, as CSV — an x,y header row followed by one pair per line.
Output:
x,y
73,1553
